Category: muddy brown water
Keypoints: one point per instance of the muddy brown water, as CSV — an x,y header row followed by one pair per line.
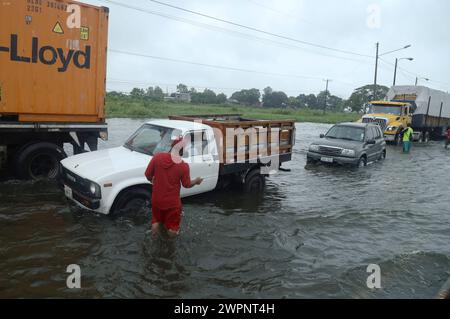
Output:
x,y
311,235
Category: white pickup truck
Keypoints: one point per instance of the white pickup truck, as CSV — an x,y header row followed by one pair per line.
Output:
x,y
113,180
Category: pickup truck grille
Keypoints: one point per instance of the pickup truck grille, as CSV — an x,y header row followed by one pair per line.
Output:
x,y
381,122
75,182
333,151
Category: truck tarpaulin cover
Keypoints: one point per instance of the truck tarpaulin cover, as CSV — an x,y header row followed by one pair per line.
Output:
x,y
420,95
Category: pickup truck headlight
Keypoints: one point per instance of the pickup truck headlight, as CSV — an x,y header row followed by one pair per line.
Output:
x,y
350,153
314,148
95,190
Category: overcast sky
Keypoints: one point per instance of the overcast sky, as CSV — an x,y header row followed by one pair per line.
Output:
x,y
348,25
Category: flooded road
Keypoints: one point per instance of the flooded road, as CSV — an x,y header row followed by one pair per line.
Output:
x,y
311,235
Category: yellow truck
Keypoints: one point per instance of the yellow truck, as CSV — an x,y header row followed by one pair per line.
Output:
x,y
427,110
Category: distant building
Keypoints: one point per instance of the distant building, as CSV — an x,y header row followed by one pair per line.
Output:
x,y
179,97
232,102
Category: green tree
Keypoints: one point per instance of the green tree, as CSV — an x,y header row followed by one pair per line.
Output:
x,y
301,101
221,98
268,91
137,93
209,96
310,101
149,92
182,88
333,102
363,95
158,94
294,102
274,99
247,97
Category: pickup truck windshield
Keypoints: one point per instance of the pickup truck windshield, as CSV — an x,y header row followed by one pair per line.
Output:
x,y
385,109
151,139
346,133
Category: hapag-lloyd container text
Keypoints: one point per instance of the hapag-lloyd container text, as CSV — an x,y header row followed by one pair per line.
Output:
x,y
52,69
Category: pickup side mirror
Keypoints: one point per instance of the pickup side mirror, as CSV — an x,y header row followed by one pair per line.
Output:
x,y
322,135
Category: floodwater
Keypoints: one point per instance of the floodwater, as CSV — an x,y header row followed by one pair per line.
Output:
x,y
311,235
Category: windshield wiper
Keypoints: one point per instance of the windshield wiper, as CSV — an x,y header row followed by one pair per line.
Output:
x,y
128,145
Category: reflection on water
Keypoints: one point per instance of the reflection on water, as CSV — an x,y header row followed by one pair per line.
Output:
x,y
312,234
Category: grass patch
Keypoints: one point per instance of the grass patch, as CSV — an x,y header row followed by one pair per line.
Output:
x,y
149,109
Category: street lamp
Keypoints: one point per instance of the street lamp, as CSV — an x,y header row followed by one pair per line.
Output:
x,y
417,80
396,64
376,65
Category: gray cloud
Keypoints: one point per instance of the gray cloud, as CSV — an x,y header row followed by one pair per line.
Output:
x,y
338,24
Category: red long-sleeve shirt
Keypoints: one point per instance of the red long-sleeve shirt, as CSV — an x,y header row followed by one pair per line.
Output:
x,y
167,178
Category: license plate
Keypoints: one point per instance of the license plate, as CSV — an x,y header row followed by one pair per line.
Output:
x,y
68,192
327,159
389,138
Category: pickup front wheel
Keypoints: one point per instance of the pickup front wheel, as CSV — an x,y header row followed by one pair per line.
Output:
x,y
134,201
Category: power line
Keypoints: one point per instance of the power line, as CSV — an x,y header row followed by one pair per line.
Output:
x,y
413,75
259,30
222,67
232,32
277,11
213,65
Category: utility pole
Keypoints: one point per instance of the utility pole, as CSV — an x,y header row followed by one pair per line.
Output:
x,y
376,73
395,71
377,57
417,80
326,96
396,65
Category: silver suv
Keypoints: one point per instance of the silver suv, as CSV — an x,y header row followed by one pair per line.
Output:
x,y
349,144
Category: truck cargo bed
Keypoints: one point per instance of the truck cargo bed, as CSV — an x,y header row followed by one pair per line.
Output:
x,y
247,140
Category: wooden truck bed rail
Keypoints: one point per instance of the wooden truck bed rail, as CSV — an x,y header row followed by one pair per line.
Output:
x,y
242,140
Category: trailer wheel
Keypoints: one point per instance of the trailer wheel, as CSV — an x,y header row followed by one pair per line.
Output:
x,y
254,182
132,200
39,161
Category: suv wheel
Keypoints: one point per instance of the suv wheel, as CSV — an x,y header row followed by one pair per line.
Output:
x,y
362,162
383,155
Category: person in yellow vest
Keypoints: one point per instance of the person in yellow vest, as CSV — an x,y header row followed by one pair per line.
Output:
x,y
407,139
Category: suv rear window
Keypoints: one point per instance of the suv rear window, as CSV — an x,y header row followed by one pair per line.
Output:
x,y
376,132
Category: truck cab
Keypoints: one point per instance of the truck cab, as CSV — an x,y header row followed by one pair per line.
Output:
x,y
391,116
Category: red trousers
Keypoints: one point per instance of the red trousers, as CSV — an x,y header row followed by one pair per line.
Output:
x,y
170,218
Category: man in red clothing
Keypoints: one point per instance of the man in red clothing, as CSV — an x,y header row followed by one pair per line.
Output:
x,y
167,172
